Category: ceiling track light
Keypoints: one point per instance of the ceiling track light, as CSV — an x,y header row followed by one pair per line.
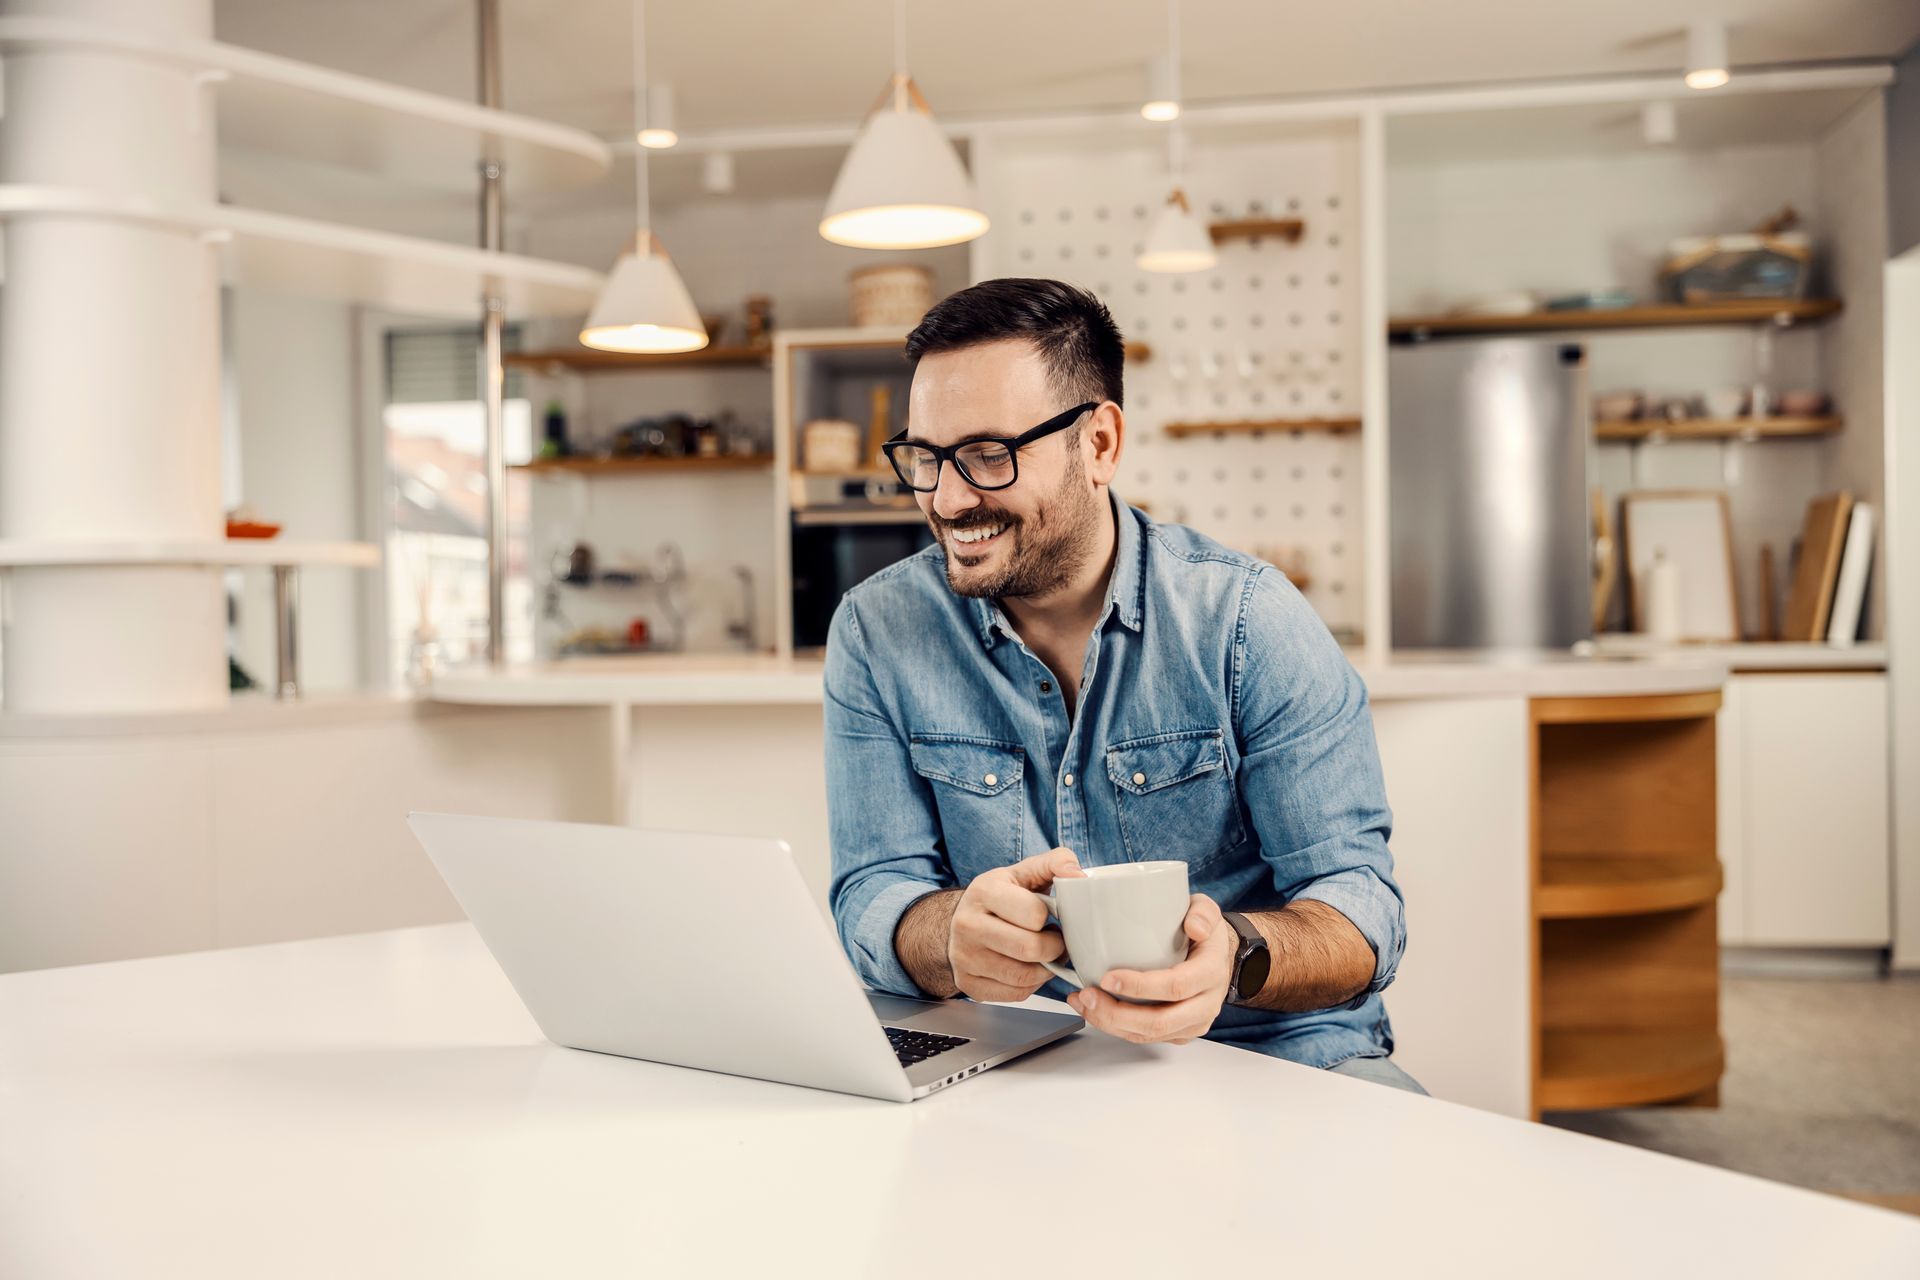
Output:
x,y
1163,93
1707,66
644,305
658,132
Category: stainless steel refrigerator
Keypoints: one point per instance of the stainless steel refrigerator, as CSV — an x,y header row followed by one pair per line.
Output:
x,y
1489,457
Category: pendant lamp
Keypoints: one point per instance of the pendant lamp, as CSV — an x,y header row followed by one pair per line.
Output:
x,y
643,306
902,185
1177,241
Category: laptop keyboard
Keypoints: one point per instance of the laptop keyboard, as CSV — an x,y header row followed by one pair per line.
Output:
x,y
913,1047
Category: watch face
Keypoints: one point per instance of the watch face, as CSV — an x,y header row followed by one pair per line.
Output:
x,y
1253,973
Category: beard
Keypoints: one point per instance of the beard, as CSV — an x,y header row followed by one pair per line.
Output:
x,y
1046,551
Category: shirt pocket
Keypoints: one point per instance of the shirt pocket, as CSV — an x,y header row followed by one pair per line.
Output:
x,y
1175,797
976,787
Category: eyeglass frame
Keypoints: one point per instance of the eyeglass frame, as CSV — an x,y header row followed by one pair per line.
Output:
x,y
945,453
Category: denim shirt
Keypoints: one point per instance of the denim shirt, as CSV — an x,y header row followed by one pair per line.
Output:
x,y
1218,724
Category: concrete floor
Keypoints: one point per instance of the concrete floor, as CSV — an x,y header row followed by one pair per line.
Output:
x,y
1822,1088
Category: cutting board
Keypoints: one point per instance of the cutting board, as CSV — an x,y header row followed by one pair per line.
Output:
x,y
1821,540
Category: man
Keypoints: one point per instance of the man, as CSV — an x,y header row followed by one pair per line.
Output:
x,y
1061,682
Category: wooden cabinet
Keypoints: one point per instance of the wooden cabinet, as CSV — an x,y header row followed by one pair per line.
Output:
x,y
1627,962
1804,810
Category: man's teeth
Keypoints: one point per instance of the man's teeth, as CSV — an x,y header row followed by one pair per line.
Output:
x,y
976,535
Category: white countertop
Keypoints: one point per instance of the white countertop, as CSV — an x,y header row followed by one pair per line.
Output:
x,y
382,1105
1754,655
695,679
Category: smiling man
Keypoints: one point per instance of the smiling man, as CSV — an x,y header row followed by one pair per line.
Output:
x,y
1061,682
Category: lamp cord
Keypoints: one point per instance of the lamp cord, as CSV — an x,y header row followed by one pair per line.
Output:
x,y
643,214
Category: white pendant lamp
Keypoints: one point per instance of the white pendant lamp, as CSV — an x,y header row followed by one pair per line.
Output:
x,y
1707,55
643,306
1177,241
658,133
902,185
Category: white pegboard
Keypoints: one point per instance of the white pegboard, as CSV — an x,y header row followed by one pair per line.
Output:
x,y
1272,332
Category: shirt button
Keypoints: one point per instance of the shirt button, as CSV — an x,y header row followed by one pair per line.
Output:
x,y
1068,779
993,780
1139,779
1046,686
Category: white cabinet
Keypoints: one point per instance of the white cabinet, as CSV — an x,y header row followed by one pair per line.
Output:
x,y
1803,811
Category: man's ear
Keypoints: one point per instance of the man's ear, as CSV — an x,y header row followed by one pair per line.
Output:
x,y
1101,439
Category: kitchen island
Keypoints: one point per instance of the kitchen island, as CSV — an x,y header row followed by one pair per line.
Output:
x,y
734,744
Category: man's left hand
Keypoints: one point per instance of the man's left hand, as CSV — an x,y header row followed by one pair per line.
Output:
x,y
1193,990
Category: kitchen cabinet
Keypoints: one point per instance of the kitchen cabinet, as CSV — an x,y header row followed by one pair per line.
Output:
x,y
1804,810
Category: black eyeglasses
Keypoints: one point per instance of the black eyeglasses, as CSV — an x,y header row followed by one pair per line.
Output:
x,y
989,463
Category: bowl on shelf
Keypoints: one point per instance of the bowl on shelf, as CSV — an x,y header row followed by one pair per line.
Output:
x,y
1802,403
251,529
1727,402
1619,406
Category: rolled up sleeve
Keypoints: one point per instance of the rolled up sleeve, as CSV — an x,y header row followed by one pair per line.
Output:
x,y
882,822
1310,770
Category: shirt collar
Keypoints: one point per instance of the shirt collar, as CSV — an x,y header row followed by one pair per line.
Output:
x,y
1126,584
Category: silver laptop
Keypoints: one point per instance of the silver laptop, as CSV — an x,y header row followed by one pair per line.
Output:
x,y
703,951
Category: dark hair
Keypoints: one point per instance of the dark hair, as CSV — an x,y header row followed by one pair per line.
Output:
x,y
1071,329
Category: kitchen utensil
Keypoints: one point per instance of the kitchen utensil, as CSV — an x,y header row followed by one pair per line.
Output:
x,y
1660,594
1606,564
1769,595
879,424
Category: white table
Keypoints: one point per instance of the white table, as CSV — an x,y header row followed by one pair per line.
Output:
x,y
381,1105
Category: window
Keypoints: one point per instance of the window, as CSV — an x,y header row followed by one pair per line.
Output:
x,y
435,433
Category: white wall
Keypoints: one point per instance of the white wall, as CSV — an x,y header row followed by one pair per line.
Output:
x,y
299,466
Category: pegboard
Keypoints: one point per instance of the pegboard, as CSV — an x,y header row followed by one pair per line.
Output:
x,y
1272,332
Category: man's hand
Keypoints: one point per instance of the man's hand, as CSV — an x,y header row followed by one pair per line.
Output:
x,y
1194,989
999,935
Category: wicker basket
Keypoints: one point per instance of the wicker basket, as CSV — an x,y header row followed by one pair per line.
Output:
x,y
891,295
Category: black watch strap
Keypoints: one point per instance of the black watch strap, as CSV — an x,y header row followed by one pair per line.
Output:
x,y
1252,960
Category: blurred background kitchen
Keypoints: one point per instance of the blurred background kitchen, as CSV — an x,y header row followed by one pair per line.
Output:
x,y
446,405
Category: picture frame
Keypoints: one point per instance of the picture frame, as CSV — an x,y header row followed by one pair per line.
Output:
x,y
1694,529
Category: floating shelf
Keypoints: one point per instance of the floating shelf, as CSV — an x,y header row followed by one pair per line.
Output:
x,y
588,360
25,552
327,260
278,105
1288,229
1717,429
1656,316
1179,430
1585,1069
1579,886
828,517
646,466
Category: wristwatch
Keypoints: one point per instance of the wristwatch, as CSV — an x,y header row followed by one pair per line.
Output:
x,y
1251,963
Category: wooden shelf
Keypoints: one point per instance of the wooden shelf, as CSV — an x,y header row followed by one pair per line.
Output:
x,y
650,466
1585,885
1585,1069
1288,229
1179,430
588,360
1623,710
1656,316
1717,429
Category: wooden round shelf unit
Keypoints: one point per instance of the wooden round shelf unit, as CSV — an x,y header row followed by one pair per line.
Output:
x,y
1625,877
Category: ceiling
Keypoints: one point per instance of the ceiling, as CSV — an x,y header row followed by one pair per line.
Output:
x,y
757,63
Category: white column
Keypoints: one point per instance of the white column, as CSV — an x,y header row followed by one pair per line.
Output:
x,y
109,370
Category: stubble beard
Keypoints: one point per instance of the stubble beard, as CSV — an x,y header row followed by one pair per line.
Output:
x,y
1047,552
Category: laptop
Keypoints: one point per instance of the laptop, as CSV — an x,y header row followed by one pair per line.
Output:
x,y
703,951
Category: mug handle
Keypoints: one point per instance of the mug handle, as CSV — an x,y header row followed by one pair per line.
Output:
x,y
1064,972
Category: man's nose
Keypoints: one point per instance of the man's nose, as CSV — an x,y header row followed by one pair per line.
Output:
x,y
953,496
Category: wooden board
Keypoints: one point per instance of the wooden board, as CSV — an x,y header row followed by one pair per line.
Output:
x,y
1694,529
1821,538
1582,1070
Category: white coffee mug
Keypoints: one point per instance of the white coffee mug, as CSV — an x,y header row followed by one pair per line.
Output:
x,y
1130,916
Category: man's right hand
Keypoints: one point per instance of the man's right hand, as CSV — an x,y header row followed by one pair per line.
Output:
x,y
999,934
